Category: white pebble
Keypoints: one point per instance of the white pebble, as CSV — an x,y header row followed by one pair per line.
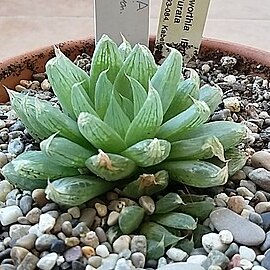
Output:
x,y
121,243
198,259
48,261
176,254
230,79
206,68
237,268
259,258
232,103
246,264
9,214
211,241
247,253
258,267
102,251
226,237
46,223
35,230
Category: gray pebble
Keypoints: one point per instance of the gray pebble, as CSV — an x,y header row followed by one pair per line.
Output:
x,y
113,218
247,253
46,223
261,177
216,257
148,204
45,241
67,228
74,211
48,261
138,244
256,218
182,266
49,207
95,261
198,259
161,262
73,254
266,244
249,185
248,233
17,254
211,241
80,230
176,254
17,231
29,262
122,264
126,253
18,125
16,146
138,259
33,215
88,216
261,159
232,250
27,241
262,207
60,220
9,214
101,234
26,204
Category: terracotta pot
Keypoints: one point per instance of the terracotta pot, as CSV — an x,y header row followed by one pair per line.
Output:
x,y
12,70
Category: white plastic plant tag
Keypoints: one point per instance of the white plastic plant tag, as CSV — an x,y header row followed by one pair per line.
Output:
x,y
129,17
181,25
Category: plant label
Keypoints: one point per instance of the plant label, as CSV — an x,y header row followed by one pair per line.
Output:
x,y
129,17
181,25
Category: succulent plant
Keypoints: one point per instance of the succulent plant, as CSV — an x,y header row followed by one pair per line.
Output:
x,y
130,123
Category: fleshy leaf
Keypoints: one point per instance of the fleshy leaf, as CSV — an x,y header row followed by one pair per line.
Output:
x,y
200,174
167,77
124,48
155,249
110,167
182,99
156,232
139,95
203,147
175,220
194,116
100,134
63,74
211,95
139,65
116,118
80,101
147,121
168,203
106,56
148,152
103,94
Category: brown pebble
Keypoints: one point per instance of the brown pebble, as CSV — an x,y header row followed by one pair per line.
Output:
x,y
60,220
236,204
17,254
88,216
261,159
29,262
39,77
101,209
39,197
72,241
88,251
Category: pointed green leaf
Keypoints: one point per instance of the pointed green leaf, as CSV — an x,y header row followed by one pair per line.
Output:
x,y
139,65
167,77
55,121
196,173
211,95
147,121
194,116
106,56
206,147
130,218
139,95
103,94
193,75
116,118
124,48
182,99
155,249
169,202
148,152
175,220
110,167
100,134
63,74
156,232
80,101
125,104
